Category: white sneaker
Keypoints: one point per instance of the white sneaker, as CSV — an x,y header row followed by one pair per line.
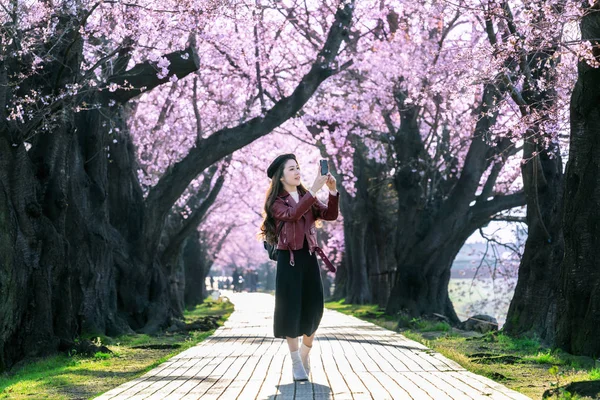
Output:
x,y
304,352
297,368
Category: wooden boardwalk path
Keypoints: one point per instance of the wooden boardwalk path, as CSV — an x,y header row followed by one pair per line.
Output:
x,y
351,359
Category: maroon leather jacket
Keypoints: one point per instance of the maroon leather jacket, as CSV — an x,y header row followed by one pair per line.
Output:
x,y
299,220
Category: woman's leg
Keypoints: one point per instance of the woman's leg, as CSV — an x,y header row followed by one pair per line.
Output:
x,y
298,370
308,340
292,343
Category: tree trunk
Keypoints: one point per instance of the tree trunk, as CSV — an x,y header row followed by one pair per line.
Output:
x,y
422,282
359,272
70,270
381,257
578,311
532,310
357,285
196,271
32,264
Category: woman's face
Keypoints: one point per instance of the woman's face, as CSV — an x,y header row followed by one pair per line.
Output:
x,y
291,173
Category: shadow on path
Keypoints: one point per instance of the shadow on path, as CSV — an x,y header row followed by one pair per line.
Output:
x,y
292,390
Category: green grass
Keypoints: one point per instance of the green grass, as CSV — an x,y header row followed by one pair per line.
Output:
x,y
522,364
68,377
527,345
545,358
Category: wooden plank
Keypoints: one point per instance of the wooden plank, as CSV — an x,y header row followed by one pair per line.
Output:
x,y
139,390
417,388
451,391
452,381
399,391
359,351
400,362
484,389
255,381
320,384
338,385
418,379
496,386
376,388
405,353
286,385
371,346
357,387
124,391
205,364
231,382
216,369
251,357
158,389
270,384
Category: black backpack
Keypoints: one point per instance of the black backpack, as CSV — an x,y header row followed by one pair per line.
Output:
x,y
272,249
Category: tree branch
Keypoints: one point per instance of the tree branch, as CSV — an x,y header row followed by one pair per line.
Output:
x,y
143,77
194,219
475,161
500,149
485,211
509,218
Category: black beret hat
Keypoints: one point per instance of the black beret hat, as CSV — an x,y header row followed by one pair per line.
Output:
x,y
277,162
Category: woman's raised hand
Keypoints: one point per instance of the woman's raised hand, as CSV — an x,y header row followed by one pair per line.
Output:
x,y
319,181
331,182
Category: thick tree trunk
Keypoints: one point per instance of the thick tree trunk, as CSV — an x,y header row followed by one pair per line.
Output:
x,y
32,265
357,284
70,270
578,320
422,282
359,276
425,257
196,271
532,310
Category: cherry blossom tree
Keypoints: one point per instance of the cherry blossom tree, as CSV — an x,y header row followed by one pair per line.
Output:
x,y
539,85
406,104
578,305
83,234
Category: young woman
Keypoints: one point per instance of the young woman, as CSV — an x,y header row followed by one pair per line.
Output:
x,y
290,214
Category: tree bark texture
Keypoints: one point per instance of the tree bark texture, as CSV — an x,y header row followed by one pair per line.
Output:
x,y
578,311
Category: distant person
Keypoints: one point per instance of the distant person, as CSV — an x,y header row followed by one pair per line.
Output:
x,y
235,277
298,287
240,283
255,281
212,283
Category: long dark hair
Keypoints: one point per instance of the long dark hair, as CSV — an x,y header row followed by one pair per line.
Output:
x,y
267,229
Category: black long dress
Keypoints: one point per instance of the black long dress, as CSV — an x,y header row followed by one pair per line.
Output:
x,y
298,294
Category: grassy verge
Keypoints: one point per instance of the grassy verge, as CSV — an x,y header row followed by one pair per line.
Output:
x,y
523,365
77,377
